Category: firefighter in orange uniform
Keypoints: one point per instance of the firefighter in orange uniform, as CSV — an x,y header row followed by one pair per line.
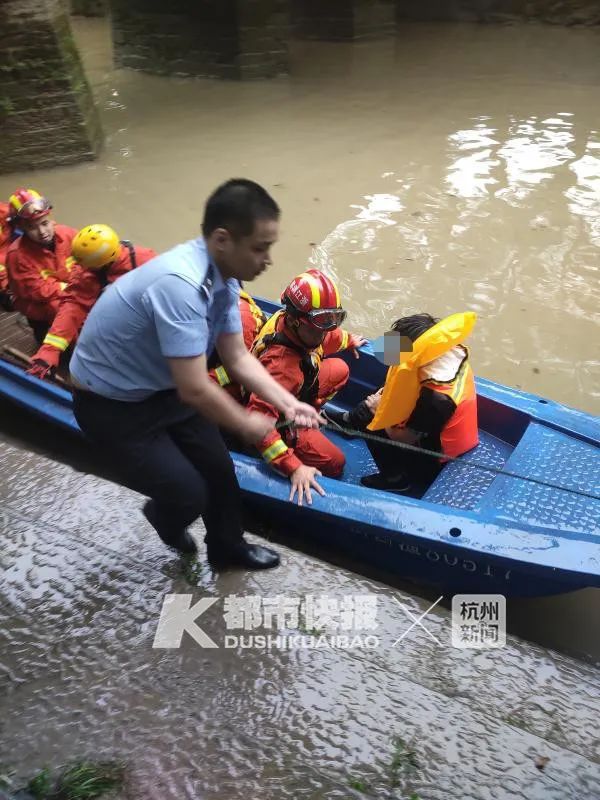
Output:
x,y
100,259
39,261
253,319
293,346
7,234
428,401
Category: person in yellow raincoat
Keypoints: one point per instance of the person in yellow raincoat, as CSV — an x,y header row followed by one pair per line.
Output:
x,y
428,401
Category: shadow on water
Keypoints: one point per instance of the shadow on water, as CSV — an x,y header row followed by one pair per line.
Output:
x,y
568,623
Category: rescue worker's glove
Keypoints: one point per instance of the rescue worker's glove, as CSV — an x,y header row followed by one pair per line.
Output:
x,y
41,369
48,353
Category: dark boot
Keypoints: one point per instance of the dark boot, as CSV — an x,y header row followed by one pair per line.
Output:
x,y
241,554
178,539
388,483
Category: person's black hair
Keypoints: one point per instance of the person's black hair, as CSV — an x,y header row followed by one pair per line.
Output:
x,y
236,205
414,325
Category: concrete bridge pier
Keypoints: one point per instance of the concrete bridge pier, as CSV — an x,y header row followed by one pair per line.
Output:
x,y
343,20
89,8
558,12
47,112
239,39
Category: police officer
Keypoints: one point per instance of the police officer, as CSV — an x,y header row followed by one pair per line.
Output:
x,y
142,390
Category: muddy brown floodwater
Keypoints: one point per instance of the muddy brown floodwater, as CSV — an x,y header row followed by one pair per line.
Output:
x,y
450,168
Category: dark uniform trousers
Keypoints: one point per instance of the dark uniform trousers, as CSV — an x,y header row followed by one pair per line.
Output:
x,y
167,451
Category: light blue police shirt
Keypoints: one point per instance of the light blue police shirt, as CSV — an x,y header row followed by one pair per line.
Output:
x,y
175,305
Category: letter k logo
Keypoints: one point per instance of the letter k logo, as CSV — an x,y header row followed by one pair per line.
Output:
x,y
176,617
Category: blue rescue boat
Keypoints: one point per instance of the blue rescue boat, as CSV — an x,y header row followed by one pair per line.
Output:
x,y
473,530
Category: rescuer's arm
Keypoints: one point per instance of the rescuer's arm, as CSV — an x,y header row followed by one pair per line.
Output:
x,y
247,370
337,340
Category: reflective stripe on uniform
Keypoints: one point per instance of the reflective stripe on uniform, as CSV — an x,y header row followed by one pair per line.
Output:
x,y
277,449
256,311
345,339
69,263
459,384
56,341
222,376
48,273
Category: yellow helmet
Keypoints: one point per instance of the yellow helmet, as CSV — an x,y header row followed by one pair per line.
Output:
x,y
95,246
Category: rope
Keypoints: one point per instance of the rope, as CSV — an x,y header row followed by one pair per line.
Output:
x,y
333,426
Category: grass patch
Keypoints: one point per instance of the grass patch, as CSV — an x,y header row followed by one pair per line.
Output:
x,y
42,785
192,569
88,780
400,768
84,780
403,762
358,783
310,631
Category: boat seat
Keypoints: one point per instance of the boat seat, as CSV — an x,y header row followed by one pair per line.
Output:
x,y
554,457
458,485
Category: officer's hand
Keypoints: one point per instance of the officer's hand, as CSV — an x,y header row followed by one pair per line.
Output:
x,y
41,369
256,427
354,342
302,479
303,415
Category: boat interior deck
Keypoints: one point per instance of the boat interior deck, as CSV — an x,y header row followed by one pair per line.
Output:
x,y
456,485
17,343
16,333
542,453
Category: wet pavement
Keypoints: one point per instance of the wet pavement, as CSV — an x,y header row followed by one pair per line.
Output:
x,y
84,580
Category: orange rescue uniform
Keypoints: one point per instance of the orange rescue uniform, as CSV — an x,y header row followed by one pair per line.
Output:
x,y
5,239
84,288
310,377
37,275
253,319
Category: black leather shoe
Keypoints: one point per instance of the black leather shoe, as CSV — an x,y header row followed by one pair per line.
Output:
x,y
396,483
251,556
179,540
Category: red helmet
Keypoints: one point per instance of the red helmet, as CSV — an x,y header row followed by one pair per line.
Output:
x,y
315,296
27,204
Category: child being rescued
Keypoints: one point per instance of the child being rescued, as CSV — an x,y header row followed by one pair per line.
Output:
x,y
293,346
428,401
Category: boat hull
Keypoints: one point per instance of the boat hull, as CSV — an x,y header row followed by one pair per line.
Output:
x,y
523,543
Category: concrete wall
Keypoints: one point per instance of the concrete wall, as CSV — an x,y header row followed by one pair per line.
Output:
x,y
342,20
240,39
47,112
560,12
89,8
